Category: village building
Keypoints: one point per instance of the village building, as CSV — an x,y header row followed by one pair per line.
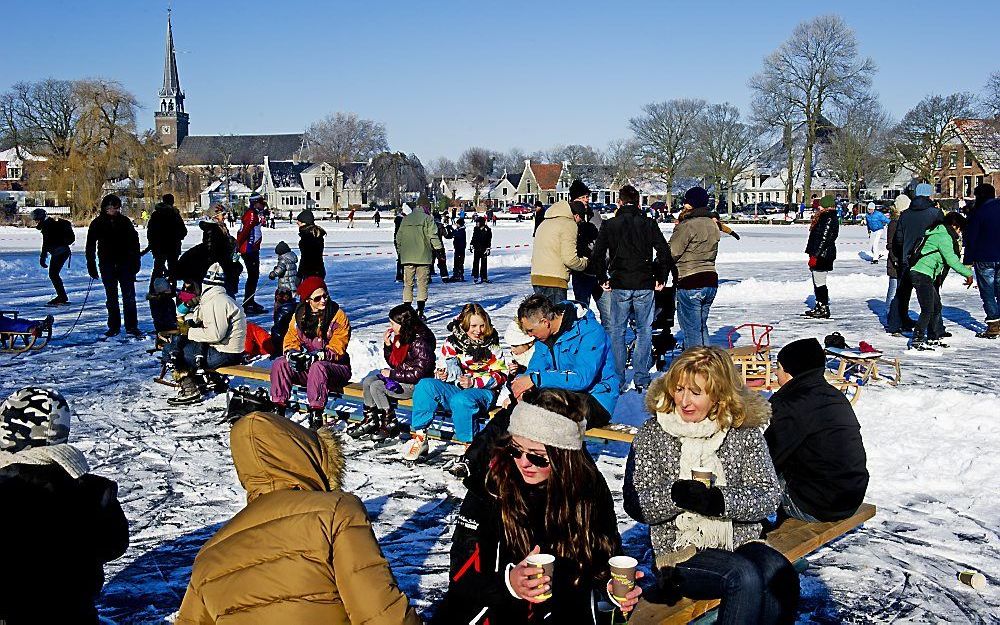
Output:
x,y
969,159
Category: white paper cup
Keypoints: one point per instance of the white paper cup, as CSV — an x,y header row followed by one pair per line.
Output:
x,y
546,562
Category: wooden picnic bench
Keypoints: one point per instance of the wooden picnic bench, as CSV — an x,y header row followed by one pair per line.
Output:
x,y
793,538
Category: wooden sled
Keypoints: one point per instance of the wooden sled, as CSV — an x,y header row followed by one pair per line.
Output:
x,y
794,539
862,368
18,342
753,362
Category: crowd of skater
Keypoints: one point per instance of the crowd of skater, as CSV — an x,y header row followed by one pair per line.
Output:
x,y
712,470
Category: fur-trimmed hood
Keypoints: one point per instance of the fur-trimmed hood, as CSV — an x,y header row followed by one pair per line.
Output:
x,y
272,453
757,409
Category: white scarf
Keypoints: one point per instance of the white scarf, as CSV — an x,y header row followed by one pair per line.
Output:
x,y
68,457
700,444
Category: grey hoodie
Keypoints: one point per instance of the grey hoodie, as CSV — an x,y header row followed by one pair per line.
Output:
x,y
286,271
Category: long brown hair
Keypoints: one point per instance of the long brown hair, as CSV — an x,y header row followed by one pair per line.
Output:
x,y
572,498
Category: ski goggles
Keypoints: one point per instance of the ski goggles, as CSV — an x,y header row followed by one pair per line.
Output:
x,y
537,460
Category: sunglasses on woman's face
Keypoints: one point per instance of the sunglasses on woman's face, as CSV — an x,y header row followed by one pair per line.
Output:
x,y
537,460
319,298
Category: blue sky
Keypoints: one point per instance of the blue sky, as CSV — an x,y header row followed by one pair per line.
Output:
x,y
446,75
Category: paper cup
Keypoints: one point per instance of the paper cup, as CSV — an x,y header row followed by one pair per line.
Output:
x,y
622,576
546,562
972,578
703,475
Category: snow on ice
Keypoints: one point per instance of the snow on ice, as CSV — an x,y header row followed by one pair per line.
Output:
x,y
931,442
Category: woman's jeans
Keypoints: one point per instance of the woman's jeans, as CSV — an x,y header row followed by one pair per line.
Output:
x,y
376,394
322,377
988,280
693,307
755,583
464,404
930,303
890,294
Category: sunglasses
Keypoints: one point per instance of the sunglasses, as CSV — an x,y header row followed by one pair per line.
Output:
x,y
537,460
319,298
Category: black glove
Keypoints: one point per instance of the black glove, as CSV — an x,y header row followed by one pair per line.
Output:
x,y
694,496
41,260
668,587
734,235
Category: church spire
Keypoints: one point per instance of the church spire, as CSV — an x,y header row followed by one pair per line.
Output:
x,y
171,82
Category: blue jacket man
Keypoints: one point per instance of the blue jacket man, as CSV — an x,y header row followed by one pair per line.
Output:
x,y
876,220
572,352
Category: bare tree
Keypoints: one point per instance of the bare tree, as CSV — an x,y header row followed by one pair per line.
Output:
x,y
575,153
512,162
726,147
859,146
477,164
43,116
622,156
926,128
772,109
816,67
342,138
392,175
442,167
991,95
665,135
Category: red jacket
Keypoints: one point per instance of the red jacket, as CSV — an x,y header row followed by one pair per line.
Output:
x,y
250,235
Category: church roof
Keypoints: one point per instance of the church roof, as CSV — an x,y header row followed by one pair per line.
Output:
x,y
171,81
240,149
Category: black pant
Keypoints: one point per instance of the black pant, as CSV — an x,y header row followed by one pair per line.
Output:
x,y
115,277
56,261
584,286
251,260
755,582
930,304
904,288
479,269
459,263
164,266
442,262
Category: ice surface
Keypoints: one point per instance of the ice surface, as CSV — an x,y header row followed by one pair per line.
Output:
x,y
932,442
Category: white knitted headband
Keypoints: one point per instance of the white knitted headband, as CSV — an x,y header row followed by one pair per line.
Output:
x,y
546,427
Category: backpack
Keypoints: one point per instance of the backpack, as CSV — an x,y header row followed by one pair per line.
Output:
x,y
917,252
65,231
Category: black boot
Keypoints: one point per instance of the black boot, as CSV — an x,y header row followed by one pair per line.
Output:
x,y
316,418
187,392
420,309
368,424
388,427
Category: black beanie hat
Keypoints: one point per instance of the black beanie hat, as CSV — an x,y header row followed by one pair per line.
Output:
x,y
306,217
801,356
281,248
578,189
696,197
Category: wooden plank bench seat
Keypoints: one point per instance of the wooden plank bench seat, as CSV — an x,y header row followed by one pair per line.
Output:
x,y
795,539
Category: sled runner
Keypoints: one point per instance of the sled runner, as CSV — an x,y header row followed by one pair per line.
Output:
x,y
21,335
793,538
863,367
753,362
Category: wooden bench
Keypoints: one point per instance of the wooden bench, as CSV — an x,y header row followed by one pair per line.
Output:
x,y
612,432
795,539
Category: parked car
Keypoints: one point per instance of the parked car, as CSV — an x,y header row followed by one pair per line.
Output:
x,y
520,209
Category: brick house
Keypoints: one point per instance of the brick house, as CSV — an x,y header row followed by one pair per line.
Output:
x,y
970,158
543,182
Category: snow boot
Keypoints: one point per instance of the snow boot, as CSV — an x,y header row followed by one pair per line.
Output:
x,y
316,418
112,332
253,308
58,300
188,392
920,343
992,330
416,448
388,427
820,311
368,424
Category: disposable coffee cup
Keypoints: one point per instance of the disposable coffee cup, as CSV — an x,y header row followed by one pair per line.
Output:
x,y
972,578
703,475
622,576
546,562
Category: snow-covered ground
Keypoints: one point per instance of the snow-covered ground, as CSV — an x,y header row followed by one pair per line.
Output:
x,y
932,442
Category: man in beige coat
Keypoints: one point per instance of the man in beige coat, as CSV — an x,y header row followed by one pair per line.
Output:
x,y
553,254
302,551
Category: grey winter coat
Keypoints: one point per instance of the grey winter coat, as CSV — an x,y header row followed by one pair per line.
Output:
x,y
286,271
751,492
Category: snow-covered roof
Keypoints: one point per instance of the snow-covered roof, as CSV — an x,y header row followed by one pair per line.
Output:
x,y
287,175
10,155
982,136
235,187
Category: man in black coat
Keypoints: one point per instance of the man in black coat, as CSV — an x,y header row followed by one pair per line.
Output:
x,y
57,237
60,523
164,233
113,246
814,439
910,229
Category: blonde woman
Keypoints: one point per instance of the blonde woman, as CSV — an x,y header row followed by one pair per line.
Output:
x,y
705,536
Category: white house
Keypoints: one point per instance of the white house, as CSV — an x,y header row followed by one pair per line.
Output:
x,y
354,187
282,185
217,192
503,192
323,183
